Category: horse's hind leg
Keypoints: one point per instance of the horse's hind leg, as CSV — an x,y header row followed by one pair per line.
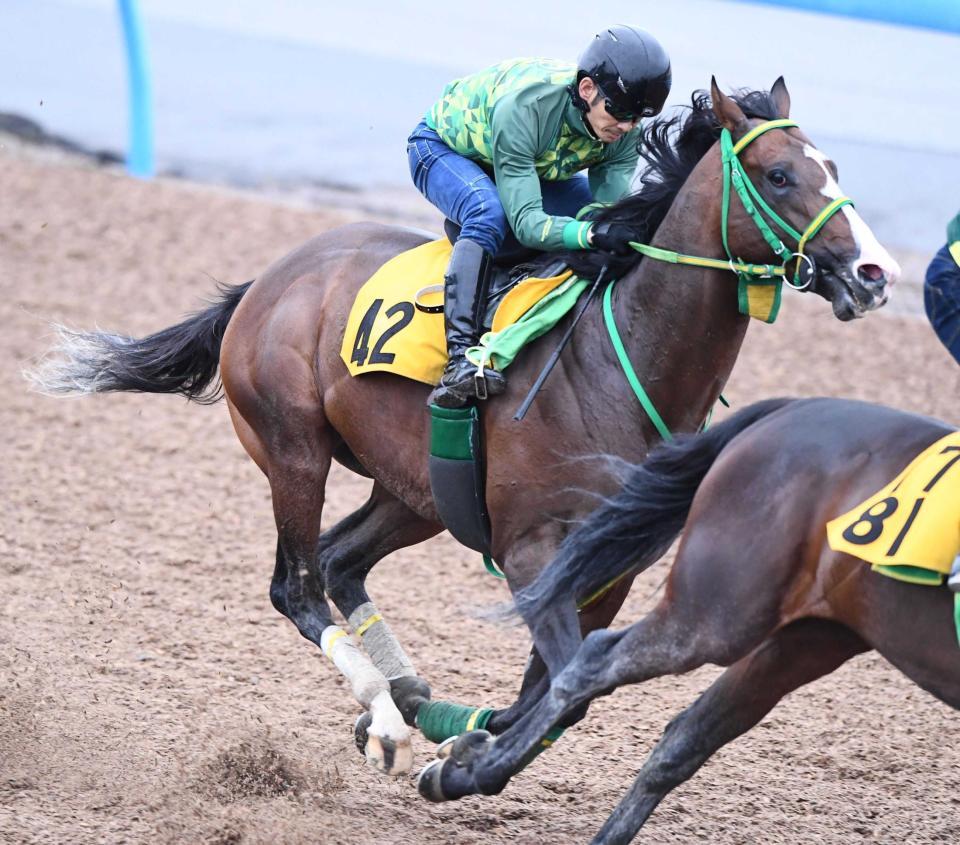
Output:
x,y
298,462
346,554
737,700
662,643
697,622
536,678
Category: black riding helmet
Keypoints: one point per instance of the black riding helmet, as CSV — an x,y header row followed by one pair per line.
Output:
x,y
630,68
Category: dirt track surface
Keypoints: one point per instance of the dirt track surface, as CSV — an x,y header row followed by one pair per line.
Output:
x,y
150,693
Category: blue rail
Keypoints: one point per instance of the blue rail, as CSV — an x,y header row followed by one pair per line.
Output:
x,y
140,153
943,15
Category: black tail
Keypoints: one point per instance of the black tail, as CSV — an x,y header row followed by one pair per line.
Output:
x,y
632,530
180,359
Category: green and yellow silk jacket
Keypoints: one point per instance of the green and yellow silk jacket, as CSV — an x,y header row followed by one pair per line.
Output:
x,y
517,118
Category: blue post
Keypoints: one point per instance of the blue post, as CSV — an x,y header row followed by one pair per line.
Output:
x,y
140,153
943,15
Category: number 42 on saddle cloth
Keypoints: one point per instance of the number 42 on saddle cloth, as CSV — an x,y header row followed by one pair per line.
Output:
x,y
909,530
386,332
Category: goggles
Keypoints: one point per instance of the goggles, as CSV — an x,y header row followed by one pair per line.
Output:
x,y
624,115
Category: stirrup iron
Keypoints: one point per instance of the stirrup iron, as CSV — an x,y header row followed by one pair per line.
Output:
x,y
480,383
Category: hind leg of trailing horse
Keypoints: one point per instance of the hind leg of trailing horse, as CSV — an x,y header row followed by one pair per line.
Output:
x,y
697,622
536,679
346,554
734,703
606,659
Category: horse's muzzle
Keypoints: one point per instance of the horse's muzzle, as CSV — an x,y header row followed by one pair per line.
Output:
x,y
851,296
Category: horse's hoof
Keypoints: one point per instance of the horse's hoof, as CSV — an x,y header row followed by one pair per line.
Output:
x,y
428,782
392,757
360,729
469,746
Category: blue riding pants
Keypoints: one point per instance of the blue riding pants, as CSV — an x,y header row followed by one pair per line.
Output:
x,y
941,298
467,194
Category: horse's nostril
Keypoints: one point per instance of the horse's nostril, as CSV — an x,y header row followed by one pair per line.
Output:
x,y
871,273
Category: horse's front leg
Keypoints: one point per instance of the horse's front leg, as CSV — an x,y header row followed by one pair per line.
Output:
x,y
536,681
660,644
443,721
560,640
485,768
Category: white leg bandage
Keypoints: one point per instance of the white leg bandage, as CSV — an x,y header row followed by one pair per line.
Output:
x,y
388,744
365,679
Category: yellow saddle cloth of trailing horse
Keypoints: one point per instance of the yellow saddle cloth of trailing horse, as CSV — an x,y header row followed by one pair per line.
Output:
x,y
386,332
911,528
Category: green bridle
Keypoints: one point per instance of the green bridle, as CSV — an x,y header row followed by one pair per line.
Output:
x,y
733,174
753,202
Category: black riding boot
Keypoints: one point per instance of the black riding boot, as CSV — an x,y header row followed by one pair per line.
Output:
x,y
465,295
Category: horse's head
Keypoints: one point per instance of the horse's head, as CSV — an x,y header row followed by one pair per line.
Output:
x,y
788,176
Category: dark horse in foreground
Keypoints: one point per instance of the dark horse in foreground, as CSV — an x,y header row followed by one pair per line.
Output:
x,y
295,407
755,587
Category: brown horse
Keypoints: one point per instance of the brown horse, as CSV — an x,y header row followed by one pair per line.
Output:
x,y
755,587
295,407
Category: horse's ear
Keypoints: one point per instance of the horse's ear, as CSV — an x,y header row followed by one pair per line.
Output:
x,y
726,110
781,97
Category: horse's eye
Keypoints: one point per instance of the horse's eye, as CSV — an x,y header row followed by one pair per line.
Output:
x,y
778,178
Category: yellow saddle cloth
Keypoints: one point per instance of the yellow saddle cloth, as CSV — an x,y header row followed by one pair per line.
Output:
x,y
386,332
910,529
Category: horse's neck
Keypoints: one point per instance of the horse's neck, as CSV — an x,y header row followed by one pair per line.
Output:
x,y
680,324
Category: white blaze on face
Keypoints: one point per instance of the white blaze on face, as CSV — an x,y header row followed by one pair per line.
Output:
x,y
870,251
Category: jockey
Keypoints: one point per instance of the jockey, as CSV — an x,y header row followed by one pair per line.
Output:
x,y
502,150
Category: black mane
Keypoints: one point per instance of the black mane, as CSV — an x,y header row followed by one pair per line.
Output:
x,y
671,147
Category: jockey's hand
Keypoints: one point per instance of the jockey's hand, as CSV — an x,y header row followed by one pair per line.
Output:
x,y
612,237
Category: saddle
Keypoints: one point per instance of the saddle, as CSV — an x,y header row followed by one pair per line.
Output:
x,y
396,326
